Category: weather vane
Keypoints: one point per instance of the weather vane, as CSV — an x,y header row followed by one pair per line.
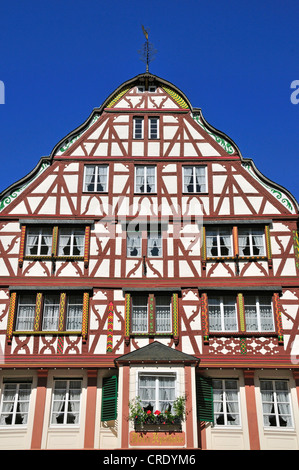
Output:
x,y
147,51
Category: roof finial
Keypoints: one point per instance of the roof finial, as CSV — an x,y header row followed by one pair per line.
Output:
x,y
147,52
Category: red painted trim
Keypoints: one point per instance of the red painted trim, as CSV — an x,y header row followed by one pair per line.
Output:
x,y
38,421
189,415
125,407
90,409
251,410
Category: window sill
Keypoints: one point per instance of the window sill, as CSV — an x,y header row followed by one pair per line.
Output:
x,y
243,334
53,258
43,332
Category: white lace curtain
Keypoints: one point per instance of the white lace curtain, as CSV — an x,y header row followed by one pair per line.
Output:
x,y
218,243
226,403
222,314
139,314
145,179
163,313
74,313
26,312
251,242
51,312
96,178
157,391
154,244
258,313
134,244
66,402
71,242
15,403
39,242
276,403
194,179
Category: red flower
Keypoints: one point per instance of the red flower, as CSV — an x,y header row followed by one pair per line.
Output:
x,y
157,412
148,412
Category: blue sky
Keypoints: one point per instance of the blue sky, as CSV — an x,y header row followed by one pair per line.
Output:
x,y
235,60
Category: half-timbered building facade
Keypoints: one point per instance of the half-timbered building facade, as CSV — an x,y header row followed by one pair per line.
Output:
x,y
146,257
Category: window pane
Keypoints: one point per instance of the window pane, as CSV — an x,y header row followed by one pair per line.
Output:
x,y
26,313
15,404
66,402
139,314
214,314
39,241
51,312
138,128
74,313
134,243
71,242
163,313
154,244
153,128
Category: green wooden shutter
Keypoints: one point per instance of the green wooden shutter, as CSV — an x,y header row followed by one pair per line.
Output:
x,y
204,398
109,398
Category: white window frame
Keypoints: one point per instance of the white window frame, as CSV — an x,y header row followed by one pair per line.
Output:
x,y
140,88
152,88
145,330
65,412
151,121
14,403
78,317
252,245
40,233
135,119
46,320
155,234
194,179
170,314
145,171
157,375
275,403
225,402
218,246
137,235
257,305
23,305
71,232
222,305
96,173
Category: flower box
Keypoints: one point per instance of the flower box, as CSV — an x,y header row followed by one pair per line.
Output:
x,y
155,427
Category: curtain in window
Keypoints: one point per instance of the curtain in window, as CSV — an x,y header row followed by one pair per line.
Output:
x,y
266,314
218,243
154,244
89,178
222,314
229,310
150,179
215,314
163,313
258,243
200,175
102,179
251,242
66,402
140,179
71,242
15,403
134,244
244,243
276,405
26,312
51,312
74,313
166,393
226,403
188,179
147,391
39,242
258,313
139,314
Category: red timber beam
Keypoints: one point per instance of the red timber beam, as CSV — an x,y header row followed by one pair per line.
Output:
x,y
37,432
251,410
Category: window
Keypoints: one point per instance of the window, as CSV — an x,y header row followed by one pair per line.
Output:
x,y
153,130
157,392
138,123
39,241
226,402
52,241
276,403
25,312
223,313
41,312
139,314
134,237
154,242
251,242
15,403
258,313
194,179
219,242
51,312
71,242
163,313
66,402
152,89
96,178
159,306
74,313
145,179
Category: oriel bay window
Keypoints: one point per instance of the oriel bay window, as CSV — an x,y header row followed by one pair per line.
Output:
x,y
157,391
48,311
